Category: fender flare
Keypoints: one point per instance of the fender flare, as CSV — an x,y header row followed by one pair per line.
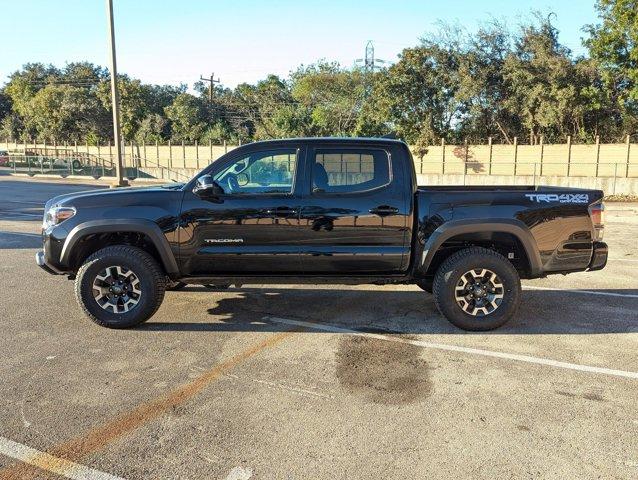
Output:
x,y
147,227
458,227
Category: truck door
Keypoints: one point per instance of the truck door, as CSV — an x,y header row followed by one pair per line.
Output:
x,y
354,213
252,227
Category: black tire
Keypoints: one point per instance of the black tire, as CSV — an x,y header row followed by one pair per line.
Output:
x,y
425,284
77,165
173,286
152,283
451,273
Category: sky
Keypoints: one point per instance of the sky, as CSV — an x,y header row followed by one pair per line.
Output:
x,y
170,41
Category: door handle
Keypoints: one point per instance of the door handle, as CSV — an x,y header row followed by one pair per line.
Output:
x,y
384,210
282,211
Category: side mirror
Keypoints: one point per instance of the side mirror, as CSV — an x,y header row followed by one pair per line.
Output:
x,y
205,186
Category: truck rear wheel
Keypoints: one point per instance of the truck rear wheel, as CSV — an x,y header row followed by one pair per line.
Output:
x,y
120,286
477,289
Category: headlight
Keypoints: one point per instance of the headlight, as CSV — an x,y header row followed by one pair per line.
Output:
x,y
56,215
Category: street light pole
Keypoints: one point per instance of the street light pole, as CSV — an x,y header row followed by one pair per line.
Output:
x,y
115,98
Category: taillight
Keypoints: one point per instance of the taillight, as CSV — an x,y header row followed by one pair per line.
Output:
x,y
597,215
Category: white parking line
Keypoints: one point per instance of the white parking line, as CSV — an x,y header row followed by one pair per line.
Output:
x,y
455,348
588,292
44,461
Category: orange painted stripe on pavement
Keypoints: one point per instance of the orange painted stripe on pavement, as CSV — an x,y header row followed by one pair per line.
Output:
x,y
100,436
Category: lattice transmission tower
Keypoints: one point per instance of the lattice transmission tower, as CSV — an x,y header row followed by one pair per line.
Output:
x,y
370,64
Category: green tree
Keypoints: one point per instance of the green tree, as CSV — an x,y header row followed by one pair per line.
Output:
x,y
266,110
613,45
188,116
5,105
25,83
544,85
153,128
56,104
332,96
11,127
482,86
65,111
421,92
133,107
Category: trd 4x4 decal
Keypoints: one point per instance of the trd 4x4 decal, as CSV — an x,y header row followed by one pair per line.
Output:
x,y
555,197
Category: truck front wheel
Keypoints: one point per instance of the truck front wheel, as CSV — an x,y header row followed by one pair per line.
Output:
x,y
120,286
477,289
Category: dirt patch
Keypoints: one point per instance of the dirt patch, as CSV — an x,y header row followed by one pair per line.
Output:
x,y
587,396
595,397
381,371
566,394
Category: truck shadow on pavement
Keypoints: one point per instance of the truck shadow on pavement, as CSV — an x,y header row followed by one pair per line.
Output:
x,y
406,312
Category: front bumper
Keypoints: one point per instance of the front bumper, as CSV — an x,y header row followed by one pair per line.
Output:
x,y
47,267
599,256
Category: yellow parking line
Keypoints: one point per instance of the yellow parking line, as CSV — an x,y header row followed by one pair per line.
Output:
x,y
100,436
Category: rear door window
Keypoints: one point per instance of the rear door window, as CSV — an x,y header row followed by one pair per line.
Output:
x,y
349,170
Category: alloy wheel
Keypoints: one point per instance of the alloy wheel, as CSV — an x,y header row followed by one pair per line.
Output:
x,y
479,292
117,289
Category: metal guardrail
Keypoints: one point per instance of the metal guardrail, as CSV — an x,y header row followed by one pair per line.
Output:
x,y
33,165
54,166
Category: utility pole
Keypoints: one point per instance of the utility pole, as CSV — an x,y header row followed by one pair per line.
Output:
x,y
212,81
115,98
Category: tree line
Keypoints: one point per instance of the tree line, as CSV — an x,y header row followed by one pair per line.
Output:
x,y
494,82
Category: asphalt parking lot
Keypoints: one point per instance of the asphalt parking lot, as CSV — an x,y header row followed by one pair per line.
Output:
x,y
298,382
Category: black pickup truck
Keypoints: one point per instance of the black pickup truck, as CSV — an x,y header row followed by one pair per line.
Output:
x,y
319,210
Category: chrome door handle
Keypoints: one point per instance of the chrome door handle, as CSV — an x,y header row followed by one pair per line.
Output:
x,y
282,211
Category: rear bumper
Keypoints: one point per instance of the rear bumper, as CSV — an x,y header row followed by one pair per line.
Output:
x,y
42,263
599,256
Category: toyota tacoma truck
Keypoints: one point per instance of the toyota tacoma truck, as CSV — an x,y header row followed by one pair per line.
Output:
x,y
319,210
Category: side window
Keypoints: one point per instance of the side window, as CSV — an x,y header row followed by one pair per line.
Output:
x,y
349,170
270,171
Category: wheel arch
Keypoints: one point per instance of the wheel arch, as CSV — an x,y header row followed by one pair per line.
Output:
x,y
147,228
473,232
